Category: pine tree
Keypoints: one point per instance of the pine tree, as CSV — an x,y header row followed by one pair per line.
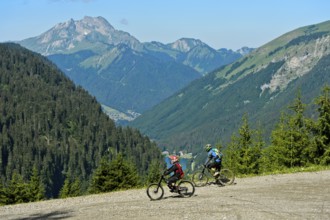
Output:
x,y
70,189
154,171
290,139
100,177
244,142
114,175
231,154
65,190
17,191
249,149
321,150
3,195
36,187
122,175
274,156
75,189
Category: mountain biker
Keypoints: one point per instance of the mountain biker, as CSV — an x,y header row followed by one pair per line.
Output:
x,y
214,159
176,168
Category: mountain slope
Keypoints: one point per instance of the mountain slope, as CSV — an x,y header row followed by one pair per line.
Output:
x,y
121,72
49,123
195,53
261,84
134,81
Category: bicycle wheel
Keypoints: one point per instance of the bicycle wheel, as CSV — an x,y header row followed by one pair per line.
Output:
x,y
226,177
200,179
155,192
186,188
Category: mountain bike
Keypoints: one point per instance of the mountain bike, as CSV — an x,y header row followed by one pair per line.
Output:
x,y
184,188
202,177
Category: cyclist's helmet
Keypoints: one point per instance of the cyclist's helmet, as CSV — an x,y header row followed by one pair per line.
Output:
x,y
174,158
208,147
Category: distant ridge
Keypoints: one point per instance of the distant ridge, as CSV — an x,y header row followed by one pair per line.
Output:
x,y
261,84
120,71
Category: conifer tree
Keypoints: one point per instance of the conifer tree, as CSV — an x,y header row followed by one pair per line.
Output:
x,y
249,149
36,187
3,195
65,190
273,157
70,189
17,191
231,154
290,138
321,129
100,177
75,189
114,175
154,171
123,175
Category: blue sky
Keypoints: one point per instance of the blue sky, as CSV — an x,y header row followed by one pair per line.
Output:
x,y
228,24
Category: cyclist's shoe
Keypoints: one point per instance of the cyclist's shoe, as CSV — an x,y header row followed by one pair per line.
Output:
x,y
216,174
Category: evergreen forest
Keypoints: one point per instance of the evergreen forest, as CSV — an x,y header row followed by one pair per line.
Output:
x,y
55,138
297,141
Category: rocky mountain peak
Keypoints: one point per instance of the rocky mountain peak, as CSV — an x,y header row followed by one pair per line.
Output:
x,y
186,44
78,30
75,35
245,50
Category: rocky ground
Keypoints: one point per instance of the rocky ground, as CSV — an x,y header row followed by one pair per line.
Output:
x,y
287,196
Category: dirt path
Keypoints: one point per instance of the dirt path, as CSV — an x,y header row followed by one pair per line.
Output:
x,y
289,196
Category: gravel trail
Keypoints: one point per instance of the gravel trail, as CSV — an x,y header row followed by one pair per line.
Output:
x,y
285,196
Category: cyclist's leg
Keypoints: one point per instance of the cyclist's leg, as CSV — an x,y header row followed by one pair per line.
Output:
x,y
218,167
213,165
210,165
171,183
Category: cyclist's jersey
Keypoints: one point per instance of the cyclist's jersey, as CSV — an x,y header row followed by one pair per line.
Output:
x,y
215,155
177,169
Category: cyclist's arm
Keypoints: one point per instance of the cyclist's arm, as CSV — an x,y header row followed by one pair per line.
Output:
x,y
170,170
207,161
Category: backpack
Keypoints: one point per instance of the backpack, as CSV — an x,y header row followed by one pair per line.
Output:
x,y
179,170
219,154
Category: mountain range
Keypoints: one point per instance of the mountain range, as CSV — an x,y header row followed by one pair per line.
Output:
x,y
128,77
261,84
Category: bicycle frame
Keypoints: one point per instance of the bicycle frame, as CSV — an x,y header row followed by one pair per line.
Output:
x,y
201,178
208,172
155,191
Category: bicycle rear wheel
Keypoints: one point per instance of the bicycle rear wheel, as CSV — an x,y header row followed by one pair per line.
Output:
x,y
186,188
200,179
155,192
226,177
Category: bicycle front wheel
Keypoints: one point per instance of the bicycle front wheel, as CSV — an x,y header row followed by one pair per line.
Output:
x,y
186,188
155,191
199,179
226,177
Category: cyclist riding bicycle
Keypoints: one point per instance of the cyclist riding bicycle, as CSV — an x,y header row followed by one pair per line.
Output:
x,y
214,159
177,171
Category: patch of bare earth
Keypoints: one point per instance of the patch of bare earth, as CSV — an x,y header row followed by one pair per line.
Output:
x,y
287,196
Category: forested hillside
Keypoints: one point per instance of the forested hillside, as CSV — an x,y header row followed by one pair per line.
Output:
x,y
53,131
261,84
